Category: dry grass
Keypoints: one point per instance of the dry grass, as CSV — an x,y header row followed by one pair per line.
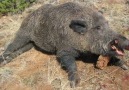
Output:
x,y
34,70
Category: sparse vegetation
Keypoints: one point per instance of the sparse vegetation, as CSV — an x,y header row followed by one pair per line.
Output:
x,y
14,6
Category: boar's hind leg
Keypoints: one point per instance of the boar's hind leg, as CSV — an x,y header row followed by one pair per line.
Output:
x,y
5,58
119,63
67,60
18,46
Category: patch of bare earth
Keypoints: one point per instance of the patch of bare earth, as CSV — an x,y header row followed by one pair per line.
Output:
x,y
35,70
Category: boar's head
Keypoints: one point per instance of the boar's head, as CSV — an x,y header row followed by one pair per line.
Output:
x,y
99,37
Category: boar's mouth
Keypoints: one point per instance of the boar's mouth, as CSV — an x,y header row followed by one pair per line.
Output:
x,y
115,47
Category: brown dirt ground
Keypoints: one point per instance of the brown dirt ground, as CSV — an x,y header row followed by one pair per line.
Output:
x,y
34,70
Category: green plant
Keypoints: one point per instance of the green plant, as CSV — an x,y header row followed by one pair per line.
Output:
x,y
14,6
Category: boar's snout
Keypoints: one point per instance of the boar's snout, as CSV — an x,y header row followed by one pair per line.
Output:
x,y
118,45
116,48
125,44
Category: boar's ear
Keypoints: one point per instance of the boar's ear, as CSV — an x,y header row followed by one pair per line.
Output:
x,y
78,26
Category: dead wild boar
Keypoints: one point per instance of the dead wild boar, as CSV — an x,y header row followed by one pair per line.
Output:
x,y
67,30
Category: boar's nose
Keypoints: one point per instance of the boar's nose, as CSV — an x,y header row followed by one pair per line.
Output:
x,y
123,42
126,44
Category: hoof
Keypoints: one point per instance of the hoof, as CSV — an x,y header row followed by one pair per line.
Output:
x,y
3,61
74,80
125,67
121,63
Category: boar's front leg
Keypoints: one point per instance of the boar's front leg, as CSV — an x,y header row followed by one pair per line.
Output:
x,y
67,60
118,62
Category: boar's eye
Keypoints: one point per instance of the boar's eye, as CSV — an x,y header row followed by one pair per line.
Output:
x,y
98,27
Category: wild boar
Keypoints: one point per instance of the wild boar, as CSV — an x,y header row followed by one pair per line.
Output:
x,y
67,30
